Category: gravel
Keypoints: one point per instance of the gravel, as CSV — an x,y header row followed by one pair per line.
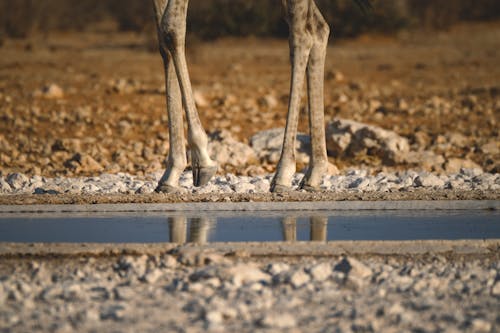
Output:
x,y
422,293
351,181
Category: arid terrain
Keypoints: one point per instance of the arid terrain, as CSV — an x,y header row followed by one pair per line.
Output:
x,y
92,104
82,104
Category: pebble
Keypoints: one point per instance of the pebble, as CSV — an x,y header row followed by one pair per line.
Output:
x,y
278,320
321,272
298,278
496,289
351,180
17,180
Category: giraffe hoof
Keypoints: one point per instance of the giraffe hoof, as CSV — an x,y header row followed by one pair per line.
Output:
x,y
165,188
309,188
201,176
276,188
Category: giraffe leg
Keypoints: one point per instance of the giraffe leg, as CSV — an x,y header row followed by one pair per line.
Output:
x,y
318,166
177,162
300,45
172,32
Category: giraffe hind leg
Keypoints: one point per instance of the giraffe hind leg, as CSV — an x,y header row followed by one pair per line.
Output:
x,y
172,32
318,165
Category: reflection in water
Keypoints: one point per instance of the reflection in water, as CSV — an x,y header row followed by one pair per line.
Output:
x,y
200,229
318,228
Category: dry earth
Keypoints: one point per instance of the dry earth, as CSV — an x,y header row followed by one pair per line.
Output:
x,y
82,104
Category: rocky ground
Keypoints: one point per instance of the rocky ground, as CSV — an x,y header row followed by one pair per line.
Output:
x,y
91,103
189,291
82,120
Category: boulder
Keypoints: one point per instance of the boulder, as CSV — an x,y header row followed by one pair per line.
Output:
x,y
268,145
226,150
347,137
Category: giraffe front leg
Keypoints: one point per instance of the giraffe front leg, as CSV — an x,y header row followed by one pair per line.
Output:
x,y
173,31
318,166
300,46
169,182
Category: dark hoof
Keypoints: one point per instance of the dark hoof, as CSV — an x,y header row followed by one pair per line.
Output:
x,y
201,176
310,188
164,188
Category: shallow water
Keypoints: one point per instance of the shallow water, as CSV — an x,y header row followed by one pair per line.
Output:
x,y
249,226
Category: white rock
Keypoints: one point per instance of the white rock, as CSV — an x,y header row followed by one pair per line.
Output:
x,y
351,137
277,268
298,278
214,317
228,151
242,274
17,180
428,180
278,320
268,145
353,268
4,186
152,276
321,272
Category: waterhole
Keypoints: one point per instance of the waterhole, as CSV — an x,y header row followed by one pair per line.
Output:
x,y
249,226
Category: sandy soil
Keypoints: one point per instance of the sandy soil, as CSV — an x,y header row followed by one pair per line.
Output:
x,y
439,90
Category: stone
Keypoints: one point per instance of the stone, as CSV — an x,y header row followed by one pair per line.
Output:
x,y
124,293
480,325
214,318
3,294
242,274
17,180
169,261
491,148
321,272
454,165
152,276
428,180
347,137
85,163
277,268
427,160
50,91
353,268
228,151
269,101
278,320
268,145
298,278
495,290
4,186
113,312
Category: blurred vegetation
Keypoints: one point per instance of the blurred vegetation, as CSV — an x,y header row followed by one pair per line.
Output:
x,y
216,18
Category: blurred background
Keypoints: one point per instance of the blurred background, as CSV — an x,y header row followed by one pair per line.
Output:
x,y
210,19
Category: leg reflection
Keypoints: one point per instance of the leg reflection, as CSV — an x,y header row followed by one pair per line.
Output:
x,y
199,229
177,227
318,228
289,224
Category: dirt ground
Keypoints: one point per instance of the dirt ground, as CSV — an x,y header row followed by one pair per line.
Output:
x,y
106,101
